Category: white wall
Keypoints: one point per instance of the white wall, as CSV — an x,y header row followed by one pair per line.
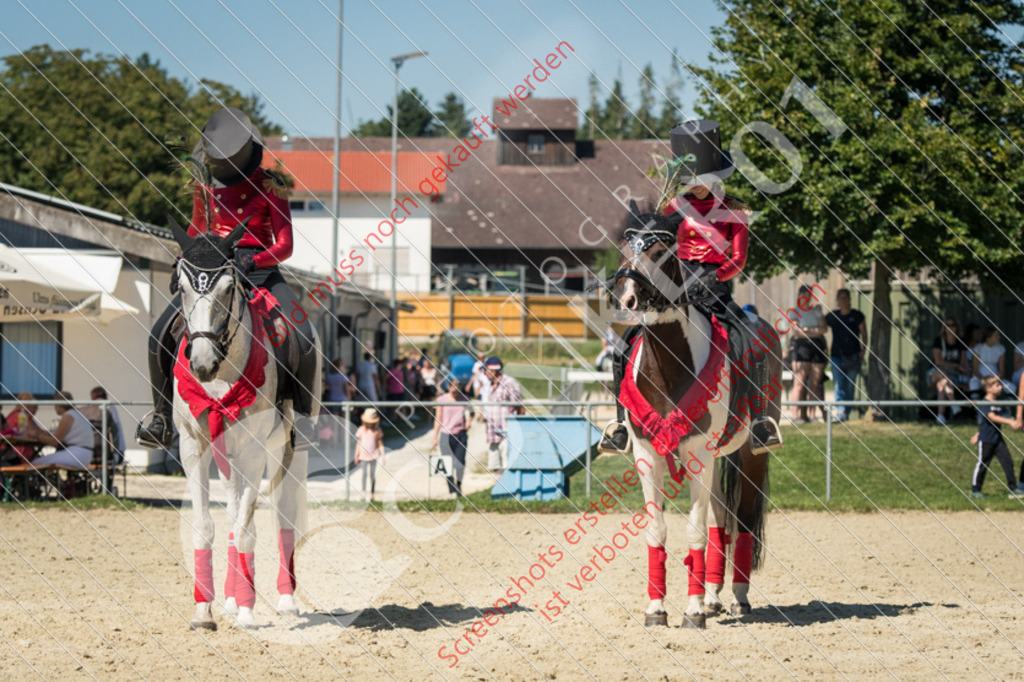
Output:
x,y
359,218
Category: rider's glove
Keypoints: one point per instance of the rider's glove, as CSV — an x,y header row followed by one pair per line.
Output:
x,y
245,263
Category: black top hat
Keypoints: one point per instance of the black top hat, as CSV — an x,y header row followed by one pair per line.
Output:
x,y
231,146
696,149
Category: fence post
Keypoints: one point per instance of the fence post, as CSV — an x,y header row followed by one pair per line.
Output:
x,y
828,456
348,451
104,447
590,425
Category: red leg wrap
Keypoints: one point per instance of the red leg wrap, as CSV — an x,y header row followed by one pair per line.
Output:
x,y
229,581
743,557
286,568
695,567
656,572
204,575
717,540
245,585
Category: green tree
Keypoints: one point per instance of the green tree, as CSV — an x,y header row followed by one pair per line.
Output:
x,y
95,129
671,108
592,117
414,118
642,125
450,119
615,114
921,170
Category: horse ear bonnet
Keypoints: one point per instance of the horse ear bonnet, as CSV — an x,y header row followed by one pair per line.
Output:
x,y
207,252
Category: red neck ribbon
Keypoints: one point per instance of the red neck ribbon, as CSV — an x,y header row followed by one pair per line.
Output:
x,y
242,393
666,432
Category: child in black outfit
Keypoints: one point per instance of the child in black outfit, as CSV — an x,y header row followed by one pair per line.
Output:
x,y
989,438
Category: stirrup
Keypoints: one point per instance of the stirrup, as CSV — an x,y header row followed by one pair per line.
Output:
x,y
774,440
606,438
144,438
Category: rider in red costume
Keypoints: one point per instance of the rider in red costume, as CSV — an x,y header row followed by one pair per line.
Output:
x,y
237,189
712,236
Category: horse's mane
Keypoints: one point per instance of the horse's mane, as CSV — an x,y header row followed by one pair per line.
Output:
x,y
648,220
207,251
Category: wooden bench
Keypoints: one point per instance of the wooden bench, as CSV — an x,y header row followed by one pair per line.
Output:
x,y
77,482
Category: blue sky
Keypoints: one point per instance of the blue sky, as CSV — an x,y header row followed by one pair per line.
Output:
x,y
286,50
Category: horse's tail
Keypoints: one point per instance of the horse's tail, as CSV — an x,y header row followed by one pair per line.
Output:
x,y
754,511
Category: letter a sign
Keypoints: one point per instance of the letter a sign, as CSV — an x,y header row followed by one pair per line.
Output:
x,y
441,465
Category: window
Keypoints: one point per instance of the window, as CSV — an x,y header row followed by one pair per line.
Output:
x,y
297,206
535,144
30,357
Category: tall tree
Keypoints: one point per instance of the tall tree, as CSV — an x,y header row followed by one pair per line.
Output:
x,y
414,118
642,125
101,130
919,168
671,108
614,115
450,119
593,115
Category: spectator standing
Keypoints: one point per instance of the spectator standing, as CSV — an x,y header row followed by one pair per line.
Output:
x,y
114,430
428,376
849,340
451,430
949,367
1018,362
396,380
809,358
505,389
479,381
989,438
73,437
367,379
412,379
611,345
339,386
369,448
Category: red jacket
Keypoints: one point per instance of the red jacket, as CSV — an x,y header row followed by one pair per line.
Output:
x,y
712,232
263,198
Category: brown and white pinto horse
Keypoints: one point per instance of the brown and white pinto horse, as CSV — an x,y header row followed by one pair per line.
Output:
x,y
679,373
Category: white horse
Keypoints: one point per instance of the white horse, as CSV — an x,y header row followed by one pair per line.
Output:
x,y
233,413
682,361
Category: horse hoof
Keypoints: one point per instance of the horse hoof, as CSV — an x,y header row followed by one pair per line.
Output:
x,y
658,618
694,622
713,609
245,619
230,607
739,609
286,606
210,625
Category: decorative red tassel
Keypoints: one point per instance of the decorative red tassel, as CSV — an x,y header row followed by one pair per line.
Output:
x,y
717,540
286,567
656,572
229,581
245,584
743,558
204,576
695,566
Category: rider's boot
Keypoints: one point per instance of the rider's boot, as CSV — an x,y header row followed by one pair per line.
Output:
x,y
765,435
158,432
615,439
304,427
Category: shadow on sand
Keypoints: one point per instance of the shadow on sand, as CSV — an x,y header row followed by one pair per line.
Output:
x,y
815,612
427,616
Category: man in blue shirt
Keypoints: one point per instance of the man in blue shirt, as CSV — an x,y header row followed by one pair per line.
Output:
x,y
849,340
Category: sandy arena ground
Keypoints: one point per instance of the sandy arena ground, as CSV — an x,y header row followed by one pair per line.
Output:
x,y
108,595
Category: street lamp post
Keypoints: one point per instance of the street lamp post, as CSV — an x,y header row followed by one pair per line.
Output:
x,y
393,341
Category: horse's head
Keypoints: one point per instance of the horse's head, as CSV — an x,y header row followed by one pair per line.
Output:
x,y
649,276
211,297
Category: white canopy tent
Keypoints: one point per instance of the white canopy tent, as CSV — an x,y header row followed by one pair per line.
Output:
x,y
56,284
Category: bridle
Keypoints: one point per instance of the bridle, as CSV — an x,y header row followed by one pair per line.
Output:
x,y
640,241
203,281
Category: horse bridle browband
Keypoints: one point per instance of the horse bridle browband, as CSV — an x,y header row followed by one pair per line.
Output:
x,y
640,241
202,281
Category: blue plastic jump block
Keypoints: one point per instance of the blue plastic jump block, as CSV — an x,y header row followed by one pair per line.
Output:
x,y
540,448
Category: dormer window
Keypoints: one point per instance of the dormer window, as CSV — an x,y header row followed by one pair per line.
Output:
x,y
535,144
